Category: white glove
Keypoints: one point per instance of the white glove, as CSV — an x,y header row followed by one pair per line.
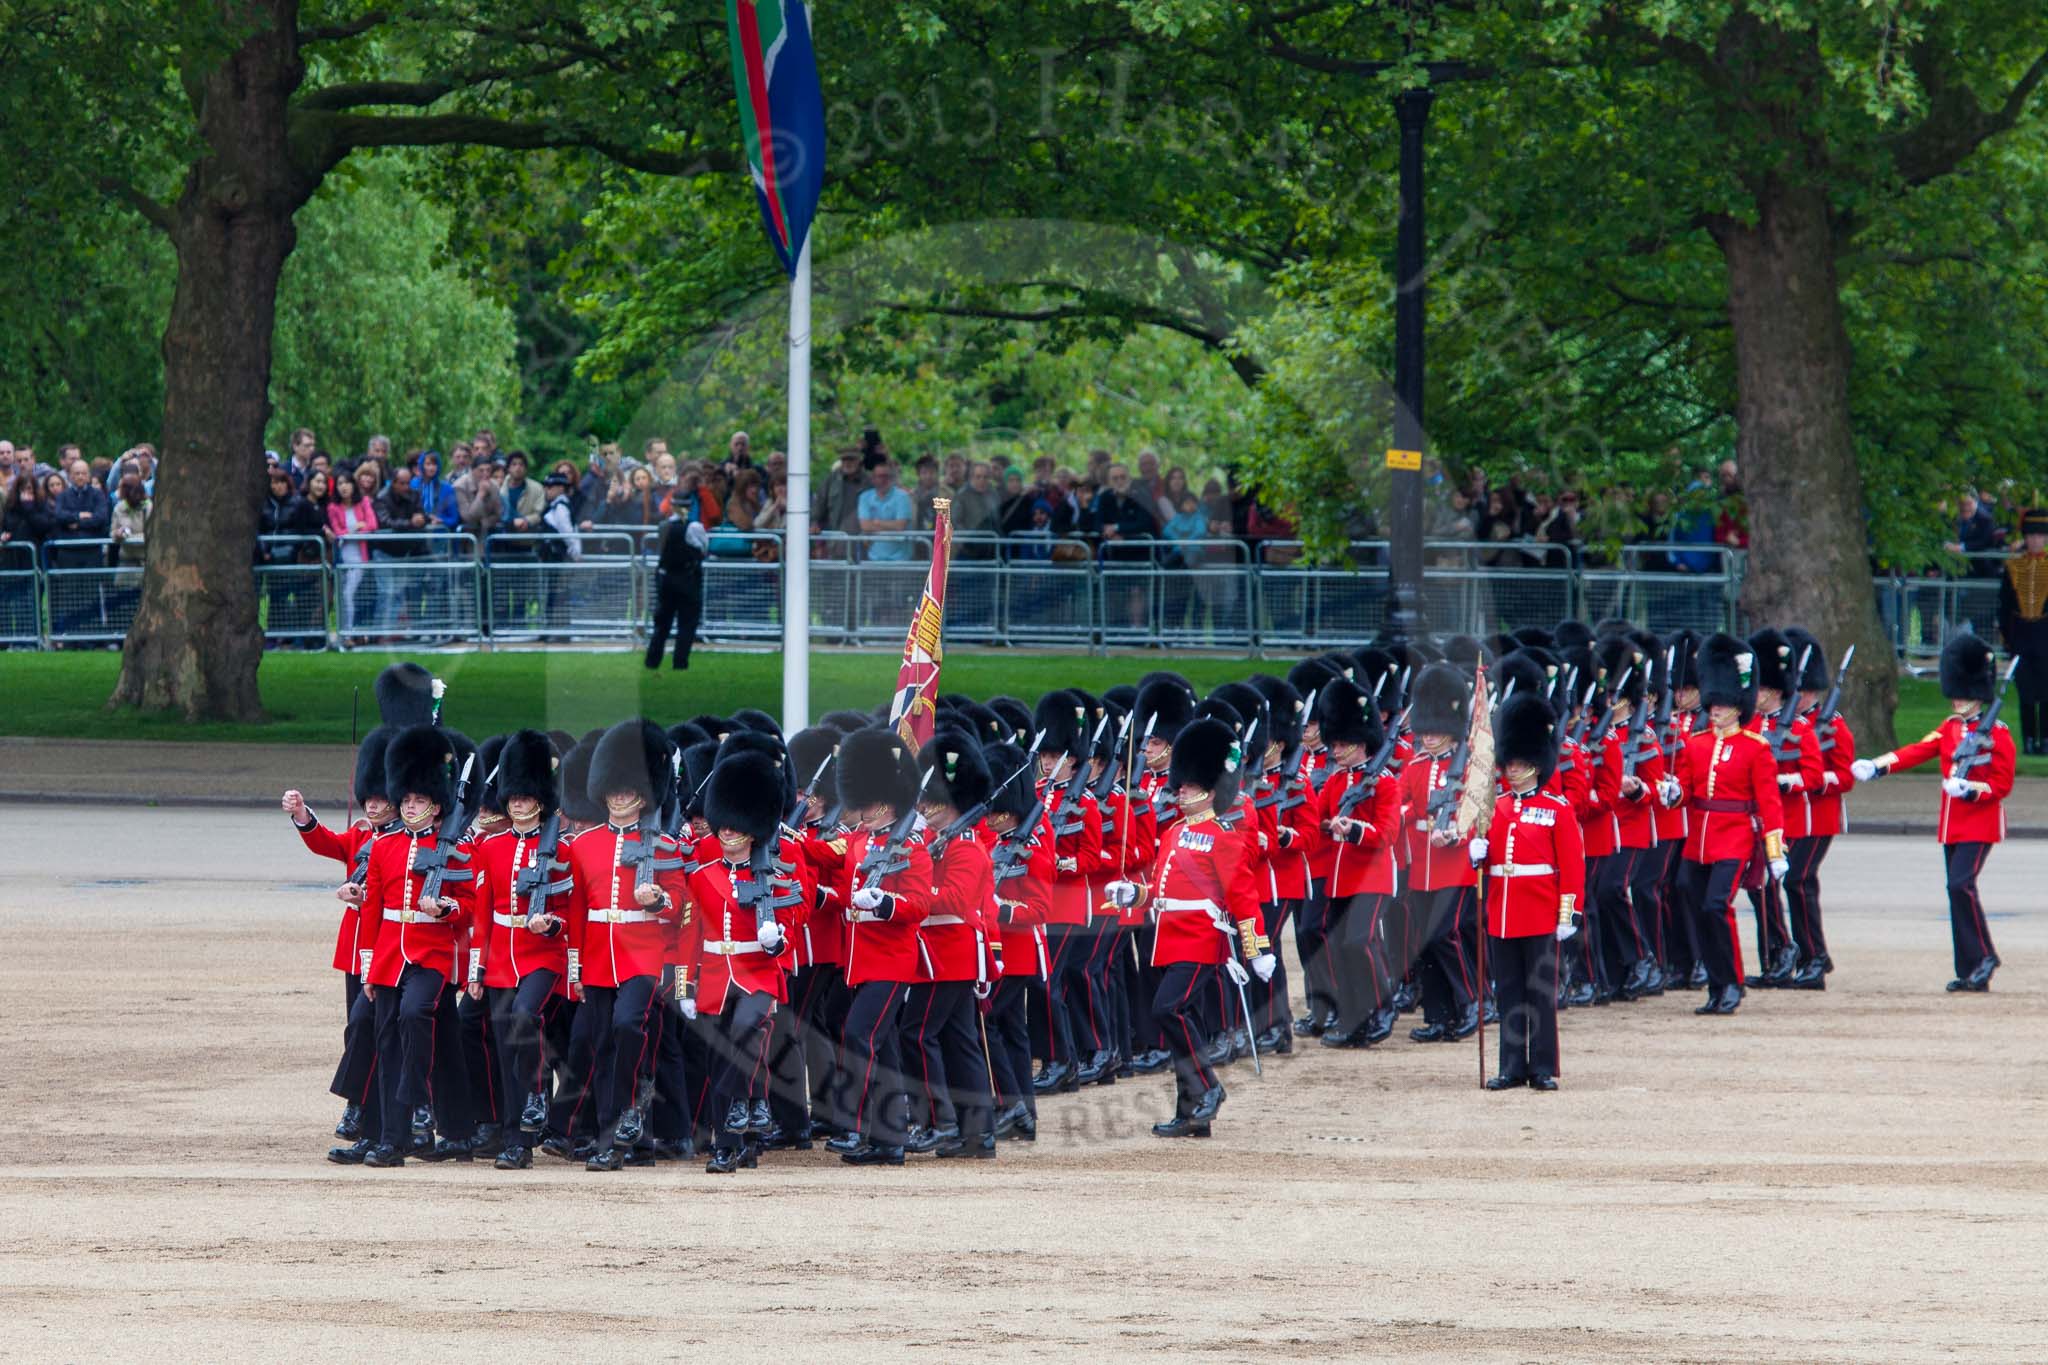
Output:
x,y
1779,867
1956,787
867,898
1123,895
1863,770
1669,792
1238,975
1476,850
1565,931
689,1007
365,955
1791,781
1264,965
771,937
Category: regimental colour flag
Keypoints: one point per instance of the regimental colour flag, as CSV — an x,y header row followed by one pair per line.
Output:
x,y
782,115
916,704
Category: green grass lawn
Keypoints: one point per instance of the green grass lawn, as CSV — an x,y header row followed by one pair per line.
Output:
x,y
308,695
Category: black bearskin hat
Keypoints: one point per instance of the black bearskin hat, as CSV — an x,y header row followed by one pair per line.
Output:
x,y
714,727
1370,665
575,775
1502,644
1347,716
1466,652
1568,635
1284,708
370,766
1062,716
1685,646
1312,675
1165,675
699,761
1774,660
1123,694
488,755
809,750
1612,625
1254,730
1525,673
876,768
1728,674
1207,755
1969,672
1624,671
1012,795
684,735
1525,731
1107,745
1583,670
748,718
1816,678
1441,699
420,761
632,756
1540,638
405,696
1166,706
959,774
985,725
470,791
526,767
845,722
744,794
1014,714
770,747
563,742
1655,660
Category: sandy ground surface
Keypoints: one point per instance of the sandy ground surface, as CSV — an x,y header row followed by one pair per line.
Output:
x,y
1854,1176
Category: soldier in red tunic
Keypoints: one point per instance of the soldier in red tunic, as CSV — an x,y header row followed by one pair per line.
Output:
x,y
626,885
1973,792
413,894
519,951
1019,843
1626,889
1535,879
1205,901
1729,780
1165,705
1820,814
1360,814
1799,774
1060,720
891,878
354,1077
1442,888
817,986
1285,790
945,1052
745,909
1311,921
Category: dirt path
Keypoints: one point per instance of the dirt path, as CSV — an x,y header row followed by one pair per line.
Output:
x,y
1851,1177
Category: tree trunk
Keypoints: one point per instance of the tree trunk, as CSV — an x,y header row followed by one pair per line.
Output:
x,y
1808,564
195,645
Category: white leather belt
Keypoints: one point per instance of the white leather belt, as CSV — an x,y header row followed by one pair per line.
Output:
x,y
508,921
733,947
622,916
415,916
943,919
1520,870
1206,906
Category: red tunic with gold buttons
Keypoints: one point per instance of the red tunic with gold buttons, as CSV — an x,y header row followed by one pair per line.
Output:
x,y
1805,765
395,931
1021,901
1367,866
886,949
954,935
345,847
1294,831
720,938
500,943
1674,821
1731,785
1430,868
1635,817
1202,888
1598,798
1980,817
615,936
1837,779
1535,858
1130,838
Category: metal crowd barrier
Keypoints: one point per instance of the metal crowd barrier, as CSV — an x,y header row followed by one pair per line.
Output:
x,y
446,587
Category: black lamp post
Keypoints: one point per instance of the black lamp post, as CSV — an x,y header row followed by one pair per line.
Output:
x,y
1404,457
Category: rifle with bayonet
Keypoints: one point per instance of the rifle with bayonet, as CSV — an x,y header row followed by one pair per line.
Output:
x,y
1784,744
1606,725
1368,776
1575,736
437,863
1975,746
970,818
1067,820
1286,794
535,881
1824,718
889,854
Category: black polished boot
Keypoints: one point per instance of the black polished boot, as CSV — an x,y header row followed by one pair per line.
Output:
x,y
351,1126
724,1161
422,1128
924,1140
489,1140
383,1155
759,1120
1217,1051
983,1146
446,1150
847,1143
609,1159
514,1158
1091,1070
1152,1062
1811,977
1276,1042
1505,1082
1464,1026
874,1156
1058,1078
676,1149
1539,1081
1428,1033
1207,1103
351,1155
1310,1025
1723,1001
1181,1126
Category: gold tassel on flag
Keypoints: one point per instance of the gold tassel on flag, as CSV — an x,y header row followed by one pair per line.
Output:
x,y
915,707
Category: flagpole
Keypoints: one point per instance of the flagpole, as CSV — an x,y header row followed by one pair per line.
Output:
x,y
796,544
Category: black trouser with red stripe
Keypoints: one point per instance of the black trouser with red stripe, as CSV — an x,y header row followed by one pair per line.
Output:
x,y
1269,998
1623,941
948,1067
1677,934
480,1060
874,1063
1710,894
627,1015
800,1062
1525,984
1177,1005
406,1029
1095,1006
739,1043
1445,971
355,1076
1767,901
520,1017
1065,946
1311,942
1009,1044
1966,922
1802,895
1364,978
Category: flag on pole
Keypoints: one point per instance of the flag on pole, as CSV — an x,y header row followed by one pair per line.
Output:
x,y
782,115
1475,806
916,703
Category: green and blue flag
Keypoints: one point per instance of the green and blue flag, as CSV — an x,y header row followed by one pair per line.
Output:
x,y
782,115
